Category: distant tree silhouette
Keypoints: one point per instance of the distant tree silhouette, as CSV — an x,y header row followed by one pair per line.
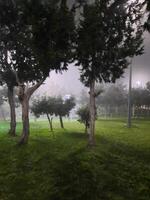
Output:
x,y
63,108
53,106
44,106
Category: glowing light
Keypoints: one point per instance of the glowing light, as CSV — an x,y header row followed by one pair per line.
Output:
x,y
138,83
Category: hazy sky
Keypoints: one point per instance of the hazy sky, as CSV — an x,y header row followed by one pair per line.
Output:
x,y
141,65
69,83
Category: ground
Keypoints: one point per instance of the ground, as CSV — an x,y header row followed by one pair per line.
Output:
x,y
60,166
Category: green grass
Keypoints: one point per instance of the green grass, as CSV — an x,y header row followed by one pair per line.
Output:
x,y
60,166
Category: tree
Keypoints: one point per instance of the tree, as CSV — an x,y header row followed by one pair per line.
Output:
x,y
141,101
113,98
84,117
41,38
148,85
8,15
44,106
53,106
63,108
109,32
3,98
10,80
2,95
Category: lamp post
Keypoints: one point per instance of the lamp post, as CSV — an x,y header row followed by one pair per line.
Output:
x,y
130,97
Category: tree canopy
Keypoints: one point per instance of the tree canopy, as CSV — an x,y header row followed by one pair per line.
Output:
x,y
106,38
53,106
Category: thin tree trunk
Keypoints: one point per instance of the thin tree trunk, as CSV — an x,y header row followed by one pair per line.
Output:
x,y
50,122
92,114
86,129
61,122
12,130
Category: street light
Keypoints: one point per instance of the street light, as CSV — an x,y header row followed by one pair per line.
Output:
x,y
130,97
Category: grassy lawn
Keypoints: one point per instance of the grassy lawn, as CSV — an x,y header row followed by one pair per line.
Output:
x,y
59,166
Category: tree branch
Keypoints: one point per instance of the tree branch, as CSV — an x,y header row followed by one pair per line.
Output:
x,y
31,90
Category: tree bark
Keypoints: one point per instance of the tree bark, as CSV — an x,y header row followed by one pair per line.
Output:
x,y
61,122
92,114
25,120
11,101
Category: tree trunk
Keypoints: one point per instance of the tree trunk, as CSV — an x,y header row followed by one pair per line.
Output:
x,y
12,130
50,122
86,129
92,114
24,97
61,122
25,120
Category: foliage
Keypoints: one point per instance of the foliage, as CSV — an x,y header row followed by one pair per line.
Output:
x,y
43,105
106,37
63,107
31,33
53,106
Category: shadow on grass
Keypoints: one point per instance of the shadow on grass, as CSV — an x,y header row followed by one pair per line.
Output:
x,y
120,148
56,169
112,173
76,135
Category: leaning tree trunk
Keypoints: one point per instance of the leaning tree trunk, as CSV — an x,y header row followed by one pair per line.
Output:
x,y
61,122
50,120
92,114
24,97
11,101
